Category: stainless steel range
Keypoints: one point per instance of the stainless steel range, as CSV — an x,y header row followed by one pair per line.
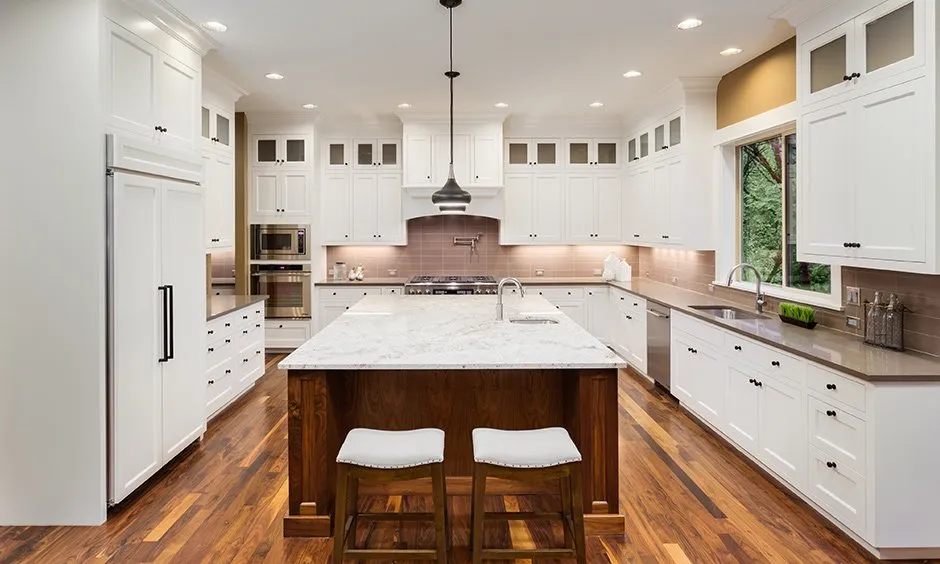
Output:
x,y
450,285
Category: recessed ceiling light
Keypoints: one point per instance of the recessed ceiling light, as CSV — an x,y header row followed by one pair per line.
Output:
x,y
309,106
632,74
597,105
274,76
730,51
215,26
501,105
404,105
690,23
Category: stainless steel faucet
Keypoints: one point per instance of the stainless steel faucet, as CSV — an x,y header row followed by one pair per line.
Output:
x,y
760,295
499,294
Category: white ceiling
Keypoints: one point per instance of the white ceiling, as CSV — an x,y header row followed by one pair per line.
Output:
x,y
543,57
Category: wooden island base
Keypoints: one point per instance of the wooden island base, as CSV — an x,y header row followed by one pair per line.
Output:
x,y
324,405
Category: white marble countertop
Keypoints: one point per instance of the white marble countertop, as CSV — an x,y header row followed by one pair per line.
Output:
x,y
450,332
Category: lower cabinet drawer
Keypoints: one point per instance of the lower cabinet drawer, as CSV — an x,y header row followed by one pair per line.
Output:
x,y
250,359
838,489
553,294
286,333
704,330
836,386
355,293
219,382
838,434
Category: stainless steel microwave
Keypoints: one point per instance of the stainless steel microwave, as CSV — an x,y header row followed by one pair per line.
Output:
x,y
280,242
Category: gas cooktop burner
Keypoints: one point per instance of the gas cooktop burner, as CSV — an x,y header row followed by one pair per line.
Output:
x,y
450,285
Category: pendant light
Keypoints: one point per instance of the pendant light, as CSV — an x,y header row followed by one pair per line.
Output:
x,y
451,199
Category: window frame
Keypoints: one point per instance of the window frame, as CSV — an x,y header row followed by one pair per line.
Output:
x,y
764,126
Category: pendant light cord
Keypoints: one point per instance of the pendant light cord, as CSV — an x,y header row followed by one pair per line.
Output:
x,y
451,12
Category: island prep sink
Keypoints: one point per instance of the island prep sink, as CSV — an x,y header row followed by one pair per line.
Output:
x,y
725,312
534,321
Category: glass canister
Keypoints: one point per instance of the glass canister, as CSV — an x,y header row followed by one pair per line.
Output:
x,y
340,271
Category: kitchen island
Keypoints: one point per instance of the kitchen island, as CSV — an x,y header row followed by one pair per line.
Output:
x,y
401,363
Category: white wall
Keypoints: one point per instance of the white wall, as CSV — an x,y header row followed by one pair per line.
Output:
x,y
52,232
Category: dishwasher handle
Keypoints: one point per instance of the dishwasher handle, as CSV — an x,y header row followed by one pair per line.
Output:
x,y
655,313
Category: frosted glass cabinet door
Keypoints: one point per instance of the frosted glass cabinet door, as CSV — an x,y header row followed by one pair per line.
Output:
x,y
607,153
546,153
579,152
518,153
223,130
891,38
826,67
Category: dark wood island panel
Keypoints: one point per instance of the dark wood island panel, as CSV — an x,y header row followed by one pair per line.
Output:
x,y
324,405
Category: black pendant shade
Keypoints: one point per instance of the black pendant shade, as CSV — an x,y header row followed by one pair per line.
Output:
x,y
451,199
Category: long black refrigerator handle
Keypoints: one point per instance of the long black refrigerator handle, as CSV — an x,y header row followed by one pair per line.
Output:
x,y
166,325
172,351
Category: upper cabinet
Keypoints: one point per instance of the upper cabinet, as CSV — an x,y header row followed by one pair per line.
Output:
x,y
524,154
593,153
148,92
864,53
219,187
593,206
218,128
656,140
374,153
282,151
477,154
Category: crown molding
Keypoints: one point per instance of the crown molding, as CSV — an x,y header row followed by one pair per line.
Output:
x,y
490,117
697,84
798,11
165,16
222,85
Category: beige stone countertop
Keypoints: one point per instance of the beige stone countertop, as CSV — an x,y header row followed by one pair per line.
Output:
x,y
217,306
828,347
366,282
562,281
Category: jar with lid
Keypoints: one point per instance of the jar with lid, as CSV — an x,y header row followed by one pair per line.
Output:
x,y
339,272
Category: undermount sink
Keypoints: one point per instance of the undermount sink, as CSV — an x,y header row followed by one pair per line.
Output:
x,y
534,321
725,312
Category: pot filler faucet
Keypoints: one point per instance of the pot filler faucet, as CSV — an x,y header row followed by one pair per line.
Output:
x,y
499,294
760,295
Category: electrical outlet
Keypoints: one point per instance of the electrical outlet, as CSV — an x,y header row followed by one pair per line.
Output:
x,y
852,322
540,272
597,272
393,272
674,280
711,288
852,296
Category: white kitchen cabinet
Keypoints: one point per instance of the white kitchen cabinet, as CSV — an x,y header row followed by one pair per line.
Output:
x,y
632,337
280,195
462,165
334,301
593,153
594,208
487,153
664,223
638,222
337,154
534,209
574,310
657,140
149,93
236,345
877,48
845,208
684,378
782,429
525,154
335,208
281,151
419,148
702,384
374,153
219,185
286,334
218,128
478,154
742,410
598,312
376,209
330,312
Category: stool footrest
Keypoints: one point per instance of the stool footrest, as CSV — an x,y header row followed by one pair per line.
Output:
x,y
395,516
379,554
510,554
521,516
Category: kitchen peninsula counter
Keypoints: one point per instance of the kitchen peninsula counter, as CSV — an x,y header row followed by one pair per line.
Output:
x,y
406,362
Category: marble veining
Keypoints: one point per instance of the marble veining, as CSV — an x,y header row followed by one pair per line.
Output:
x,y
450,332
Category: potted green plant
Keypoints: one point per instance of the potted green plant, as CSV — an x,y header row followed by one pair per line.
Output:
x,y
799,315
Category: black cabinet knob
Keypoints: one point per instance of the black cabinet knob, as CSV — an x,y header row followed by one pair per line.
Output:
x,y
636,235
244,317
737,347
280,326
257,325
831,413
856,75
211,349
244,360
775,363
212,332
228,371
665,147
211,382
244,331
228,324
846,78
628,317
830,386
832,465
752,381
228,341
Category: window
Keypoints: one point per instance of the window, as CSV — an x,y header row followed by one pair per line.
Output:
x,y
767,212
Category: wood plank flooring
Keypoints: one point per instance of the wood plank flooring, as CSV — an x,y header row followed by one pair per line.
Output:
x,y
687,498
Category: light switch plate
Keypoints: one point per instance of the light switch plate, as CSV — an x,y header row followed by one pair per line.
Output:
x,y
540,272
852,296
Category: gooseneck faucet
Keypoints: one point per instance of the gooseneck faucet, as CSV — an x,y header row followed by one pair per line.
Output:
x,y
499,294
760,295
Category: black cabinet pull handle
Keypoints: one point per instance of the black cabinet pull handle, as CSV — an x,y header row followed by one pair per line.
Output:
x,y
229,371
212,332
172,352
832,465
245,332
830,386
257,325
244,360
244,317
737,347
280,326
211,349
831,413
166,323
690,349
752,381
228,341
211,382
846,78
856,75
775,363
628,317
228,324
665,147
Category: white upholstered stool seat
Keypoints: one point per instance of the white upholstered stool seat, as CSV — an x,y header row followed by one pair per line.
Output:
x,y
372,448
539,448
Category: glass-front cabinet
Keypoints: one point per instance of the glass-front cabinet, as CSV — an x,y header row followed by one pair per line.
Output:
x,y
218,128
375,153
336,154
603,153
285,151
885,41
529,153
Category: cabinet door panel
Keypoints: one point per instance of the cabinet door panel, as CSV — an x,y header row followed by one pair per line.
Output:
x,y
891,39
391,225
826,188
178,93
219,186
549,203
517,153
337,155
598,311
296,196
742,411
891,181
334,208
266,149
546,152
659,204
418,150
517,223
486,159
131,67
461,159
579,152
265,193
573,310
330,312
138,333
580,207
710,369
364,206
638,207
294,150
608,203
183,266
683,378
365,154
825,62
782,430
389,153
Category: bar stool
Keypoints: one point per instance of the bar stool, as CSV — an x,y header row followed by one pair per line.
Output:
x,y
537,455
389,456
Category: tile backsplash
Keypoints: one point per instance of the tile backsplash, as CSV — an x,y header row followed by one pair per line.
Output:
x,y
431,250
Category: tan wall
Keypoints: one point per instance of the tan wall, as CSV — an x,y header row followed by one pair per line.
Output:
x,y
767,82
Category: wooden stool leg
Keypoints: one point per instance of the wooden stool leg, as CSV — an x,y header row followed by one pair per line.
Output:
x,y
352,510
339,513
577,502
440,512
479,494
447,530
566,511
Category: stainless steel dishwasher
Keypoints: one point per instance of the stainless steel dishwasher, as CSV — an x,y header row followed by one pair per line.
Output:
x,y
657,343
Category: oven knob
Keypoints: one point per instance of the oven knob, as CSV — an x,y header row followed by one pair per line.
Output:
x,y
427,292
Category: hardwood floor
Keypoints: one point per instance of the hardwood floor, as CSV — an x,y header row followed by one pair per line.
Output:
x,y
687,498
